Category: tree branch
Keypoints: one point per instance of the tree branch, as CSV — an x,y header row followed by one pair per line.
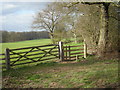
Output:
x,y
91,3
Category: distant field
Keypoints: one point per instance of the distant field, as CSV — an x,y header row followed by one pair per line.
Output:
x,y
28,43
22,44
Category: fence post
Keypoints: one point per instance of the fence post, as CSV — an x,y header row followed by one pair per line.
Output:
x,y
85,50
7,57
66,53
61,51
69,53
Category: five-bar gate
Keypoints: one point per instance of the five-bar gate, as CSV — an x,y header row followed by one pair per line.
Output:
x,y
27,55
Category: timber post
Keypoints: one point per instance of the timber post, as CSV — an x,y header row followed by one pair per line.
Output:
x,y
69,53
61,53
85,50
7,57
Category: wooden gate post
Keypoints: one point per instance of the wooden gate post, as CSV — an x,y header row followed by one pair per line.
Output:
x,y
69,53
7,57
61,51
85,50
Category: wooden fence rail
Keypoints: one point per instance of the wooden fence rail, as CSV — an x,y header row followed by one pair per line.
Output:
x,y
71,52
20,56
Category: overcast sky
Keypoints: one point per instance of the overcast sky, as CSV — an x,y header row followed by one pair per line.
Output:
x,y
18,16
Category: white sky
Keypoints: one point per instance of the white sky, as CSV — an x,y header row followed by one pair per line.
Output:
x,y
18,16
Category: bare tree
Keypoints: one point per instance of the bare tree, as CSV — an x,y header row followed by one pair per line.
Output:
x,y
48,19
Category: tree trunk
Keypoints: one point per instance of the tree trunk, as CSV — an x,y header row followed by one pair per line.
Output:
x,y
118,30
52,37
75,37
103,38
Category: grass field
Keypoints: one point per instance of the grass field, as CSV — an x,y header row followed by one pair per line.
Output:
x,y
28,43
82,73
89,73
22,44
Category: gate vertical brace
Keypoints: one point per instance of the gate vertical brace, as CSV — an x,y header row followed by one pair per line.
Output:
x,y
66,53
7,58
69,53
61,51
85,50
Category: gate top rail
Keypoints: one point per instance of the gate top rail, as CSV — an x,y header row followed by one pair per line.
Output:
x,y
34,47
67,46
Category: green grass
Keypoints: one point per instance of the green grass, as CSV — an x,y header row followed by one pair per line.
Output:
x,y
22,44
28,43
88,73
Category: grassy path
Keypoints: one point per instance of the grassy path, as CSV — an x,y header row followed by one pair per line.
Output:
x,y
85,74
